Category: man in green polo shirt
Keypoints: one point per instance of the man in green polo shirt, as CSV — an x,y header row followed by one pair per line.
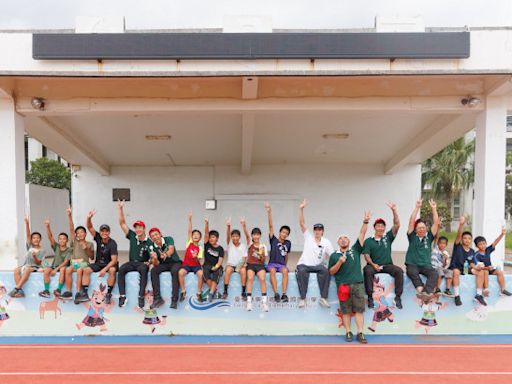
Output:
x,y
164,258
345,266
418,259
377,253
138,257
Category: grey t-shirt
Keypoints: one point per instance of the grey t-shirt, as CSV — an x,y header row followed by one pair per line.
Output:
x,y
41,254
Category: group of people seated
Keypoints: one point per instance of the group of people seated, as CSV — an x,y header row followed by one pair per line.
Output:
x,y
153,252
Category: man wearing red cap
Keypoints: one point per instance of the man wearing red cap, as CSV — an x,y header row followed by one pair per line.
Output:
x,y
139,257
377,253
164,258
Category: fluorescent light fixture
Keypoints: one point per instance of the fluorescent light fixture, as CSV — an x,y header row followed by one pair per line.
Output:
x,y
157,137
335,136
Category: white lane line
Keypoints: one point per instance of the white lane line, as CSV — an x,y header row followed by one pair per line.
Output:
x,y
282,373
263,346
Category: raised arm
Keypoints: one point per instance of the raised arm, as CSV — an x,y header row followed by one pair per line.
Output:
x,y
49,232
302,220
189,228
458,237
498,239
89,225
206,230
228,230
246,232
27,230
435,217
122,219
71,225
396,219
364,228
414,215
268,208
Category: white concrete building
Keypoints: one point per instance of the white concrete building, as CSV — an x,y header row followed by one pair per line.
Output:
x,y
344,123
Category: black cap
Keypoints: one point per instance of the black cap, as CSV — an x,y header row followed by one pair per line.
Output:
x,y
104,227
318,226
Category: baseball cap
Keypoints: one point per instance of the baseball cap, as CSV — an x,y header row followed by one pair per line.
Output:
x,y
380,220
318,226
343,292
104,227
139,223
154,230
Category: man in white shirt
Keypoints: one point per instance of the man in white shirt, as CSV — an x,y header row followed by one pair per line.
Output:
x,y
317,250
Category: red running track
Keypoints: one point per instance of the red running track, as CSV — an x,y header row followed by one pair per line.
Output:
x,y
297,364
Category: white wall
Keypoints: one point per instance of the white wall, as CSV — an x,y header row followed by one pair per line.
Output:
x,y
162,196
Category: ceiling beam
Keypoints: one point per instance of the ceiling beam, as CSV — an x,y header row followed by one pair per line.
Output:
x,y
442,131
57,107
60,140
248,127
499,87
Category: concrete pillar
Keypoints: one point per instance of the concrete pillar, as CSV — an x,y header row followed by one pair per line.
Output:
x,y
490,156
12,184
35,150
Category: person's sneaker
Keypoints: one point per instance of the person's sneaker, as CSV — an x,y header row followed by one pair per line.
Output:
x,y
199,297
108,298
211,297
84,296
244,296
183,296
78,298
437,291
123,300
264,307
45,294
349,337
57,293
277,298
480,299
370,302
157,302
249,306
13,292
448,293
67,295
174,305
361,338
504,292
458,301
324,303
224,296
284,298
398,302
19,293
302,303
486,292
141,302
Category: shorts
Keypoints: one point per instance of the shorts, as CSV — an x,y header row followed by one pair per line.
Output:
x,y
98,267
493,272
256,267
444,272
208,274
80,264
191,268
32,268
236,268
277,267
355,302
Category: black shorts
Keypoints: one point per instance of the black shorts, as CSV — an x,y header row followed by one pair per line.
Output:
x,y
256,267
98,267
208,274
191,268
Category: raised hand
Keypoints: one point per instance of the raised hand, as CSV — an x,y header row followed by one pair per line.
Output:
x,y
69,211
267,207
419,203
120,204
432,203
91,213
503,230
228,221
206,220
26,219
367,215
462,220
391,205
190,215
303,204
46,223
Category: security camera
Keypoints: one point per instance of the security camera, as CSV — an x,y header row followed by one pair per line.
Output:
x,y
470,101
37,103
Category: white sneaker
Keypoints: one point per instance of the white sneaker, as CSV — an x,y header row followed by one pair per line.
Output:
x,y
264,307
324,303
302,303
249,306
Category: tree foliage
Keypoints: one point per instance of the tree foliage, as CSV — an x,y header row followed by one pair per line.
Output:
x,y
49,173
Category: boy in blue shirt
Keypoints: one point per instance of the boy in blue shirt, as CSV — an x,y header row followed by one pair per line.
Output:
x,y
483,261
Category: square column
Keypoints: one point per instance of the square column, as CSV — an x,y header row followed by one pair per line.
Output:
x,y
490,158
12,185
